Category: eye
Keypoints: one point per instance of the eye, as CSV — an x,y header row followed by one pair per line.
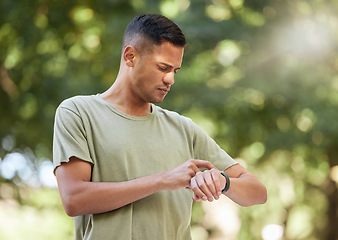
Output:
x,y
163,69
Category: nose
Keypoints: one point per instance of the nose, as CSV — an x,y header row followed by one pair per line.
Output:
x,y
168,78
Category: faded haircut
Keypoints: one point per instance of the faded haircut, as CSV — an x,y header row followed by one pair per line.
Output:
x,y
147,30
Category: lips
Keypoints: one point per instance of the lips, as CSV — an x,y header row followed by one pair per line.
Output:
x,y
164,91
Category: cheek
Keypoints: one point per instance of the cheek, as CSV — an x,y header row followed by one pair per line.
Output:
x,y
148,78
153,78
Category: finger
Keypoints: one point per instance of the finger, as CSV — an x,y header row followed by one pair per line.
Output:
x,y
192,166
195,168
196,198
215,174
200,179
203,164
194,187
210,183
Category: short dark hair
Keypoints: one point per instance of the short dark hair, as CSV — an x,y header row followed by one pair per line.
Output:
x,y
148,29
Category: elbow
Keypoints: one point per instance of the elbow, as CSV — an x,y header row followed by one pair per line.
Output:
x,y
71,207
263,195
71,212
260,198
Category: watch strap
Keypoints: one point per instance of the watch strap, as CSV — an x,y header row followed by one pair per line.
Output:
x,y
227,184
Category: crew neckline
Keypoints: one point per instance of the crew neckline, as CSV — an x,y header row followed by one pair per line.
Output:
x,y
124,115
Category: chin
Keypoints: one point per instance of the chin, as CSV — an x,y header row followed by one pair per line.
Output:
x,y
158,100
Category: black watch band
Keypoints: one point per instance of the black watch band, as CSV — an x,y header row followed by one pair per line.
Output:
x,y
227,184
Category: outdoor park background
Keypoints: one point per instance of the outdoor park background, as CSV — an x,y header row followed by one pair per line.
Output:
x,y
261,77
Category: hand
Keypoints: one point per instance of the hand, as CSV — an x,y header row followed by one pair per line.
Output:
x,y
207,185
180,176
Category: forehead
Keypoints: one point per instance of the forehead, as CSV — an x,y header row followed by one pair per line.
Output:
x,y
167,53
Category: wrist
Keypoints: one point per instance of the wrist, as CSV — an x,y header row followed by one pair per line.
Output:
x,y
161,181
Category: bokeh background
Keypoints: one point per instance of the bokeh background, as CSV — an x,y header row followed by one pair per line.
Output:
x,y
261,77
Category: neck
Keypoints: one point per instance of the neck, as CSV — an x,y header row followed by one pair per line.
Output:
x,y
121,99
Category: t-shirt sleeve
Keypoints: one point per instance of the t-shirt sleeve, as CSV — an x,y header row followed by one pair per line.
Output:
x,y
69,138
206,148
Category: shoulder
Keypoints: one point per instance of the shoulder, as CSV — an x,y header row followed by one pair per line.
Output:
x,y
76,105
76,101
173,116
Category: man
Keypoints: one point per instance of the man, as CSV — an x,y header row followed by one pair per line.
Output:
x,y
127,169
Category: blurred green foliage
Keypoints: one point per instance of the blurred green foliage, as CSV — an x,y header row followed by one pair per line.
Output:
x,y
259,76
38,216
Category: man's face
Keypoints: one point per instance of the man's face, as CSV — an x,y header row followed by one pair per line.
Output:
x,y
153,73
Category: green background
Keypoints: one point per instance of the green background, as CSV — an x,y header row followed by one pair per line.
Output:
x,y
261,77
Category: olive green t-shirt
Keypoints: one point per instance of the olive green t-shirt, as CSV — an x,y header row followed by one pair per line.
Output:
x,y
122,147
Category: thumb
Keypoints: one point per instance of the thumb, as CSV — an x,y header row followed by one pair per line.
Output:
x,y
203,164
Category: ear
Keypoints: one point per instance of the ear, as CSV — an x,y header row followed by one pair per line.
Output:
x,y
129,55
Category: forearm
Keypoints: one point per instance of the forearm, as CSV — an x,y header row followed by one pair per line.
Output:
x,y
246,190
87,197
81,196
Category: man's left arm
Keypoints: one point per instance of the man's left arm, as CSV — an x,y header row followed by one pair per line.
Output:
x,y
245,188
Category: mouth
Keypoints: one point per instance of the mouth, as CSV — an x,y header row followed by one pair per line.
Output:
x,y
164,91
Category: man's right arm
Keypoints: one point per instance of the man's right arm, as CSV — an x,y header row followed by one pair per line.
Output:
x,y
80,196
